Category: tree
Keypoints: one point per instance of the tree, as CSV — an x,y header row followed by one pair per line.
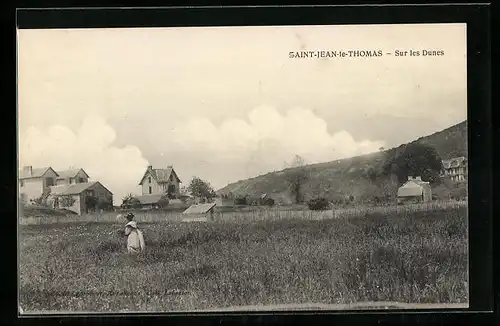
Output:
x,y
296,176
66,201
126,200
183,190
267,201
201,188
414,159
40,201
318,204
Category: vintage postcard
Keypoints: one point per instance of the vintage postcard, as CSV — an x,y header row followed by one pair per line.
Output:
x,y
242,168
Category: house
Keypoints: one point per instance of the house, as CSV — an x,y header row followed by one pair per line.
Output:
x,y
81,198
414,190
455,169
72,176
33,183
160,181
199,213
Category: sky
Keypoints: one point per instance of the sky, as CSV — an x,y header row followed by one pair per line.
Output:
x,y
228,103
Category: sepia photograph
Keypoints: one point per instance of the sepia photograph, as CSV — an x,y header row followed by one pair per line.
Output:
x,y
255,168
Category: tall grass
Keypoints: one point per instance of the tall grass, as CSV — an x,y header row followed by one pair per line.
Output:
x,y
419,256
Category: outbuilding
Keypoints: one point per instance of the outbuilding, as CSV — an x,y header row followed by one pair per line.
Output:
x,y
414,190
199,213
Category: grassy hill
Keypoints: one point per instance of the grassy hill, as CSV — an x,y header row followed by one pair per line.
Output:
x,y
346,177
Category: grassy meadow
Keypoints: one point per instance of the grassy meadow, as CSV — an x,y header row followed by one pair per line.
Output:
x,y
399,255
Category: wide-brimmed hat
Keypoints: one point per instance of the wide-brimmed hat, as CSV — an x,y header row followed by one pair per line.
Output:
x,y
129,216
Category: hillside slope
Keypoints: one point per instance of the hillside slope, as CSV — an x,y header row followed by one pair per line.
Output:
x,y
346,177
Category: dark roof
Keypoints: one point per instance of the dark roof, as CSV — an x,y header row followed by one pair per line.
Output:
x,y
70,173
161,175
74,189
199,208
36,173
149,199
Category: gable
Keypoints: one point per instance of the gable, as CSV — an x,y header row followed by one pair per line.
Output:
x,y
82,174
74,173
40,173
148,173
160,175
176,176
100,186
410,189
50,173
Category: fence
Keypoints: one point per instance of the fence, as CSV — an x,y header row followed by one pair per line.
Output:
x,y
275,213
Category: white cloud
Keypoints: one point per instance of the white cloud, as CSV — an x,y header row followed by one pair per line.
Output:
x,y
263,141
90,148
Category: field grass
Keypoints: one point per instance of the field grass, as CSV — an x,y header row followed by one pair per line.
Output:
x,y
416,256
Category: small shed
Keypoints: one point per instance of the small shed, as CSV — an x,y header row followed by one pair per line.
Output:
x,y
199,213
414,190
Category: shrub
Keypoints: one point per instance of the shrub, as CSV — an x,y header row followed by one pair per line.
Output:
x,y
40,201
318,204
66,201
268,202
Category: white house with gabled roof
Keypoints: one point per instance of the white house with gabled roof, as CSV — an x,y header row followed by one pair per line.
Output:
x,y
33,183
160,181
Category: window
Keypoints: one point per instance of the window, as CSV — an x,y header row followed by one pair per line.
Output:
x,y
81,180
150,190
171,177
22,183
49,182
149,179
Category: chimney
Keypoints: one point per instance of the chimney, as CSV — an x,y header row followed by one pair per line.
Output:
x,y
28,170
150,167
169,166
418,178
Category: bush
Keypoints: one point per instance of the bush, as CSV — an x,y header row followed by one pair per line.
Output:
x,y
66,201
318,204
268,202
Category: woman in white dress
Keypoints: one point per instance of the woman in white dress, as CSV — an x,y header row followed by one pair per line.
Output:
x,y
135,240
